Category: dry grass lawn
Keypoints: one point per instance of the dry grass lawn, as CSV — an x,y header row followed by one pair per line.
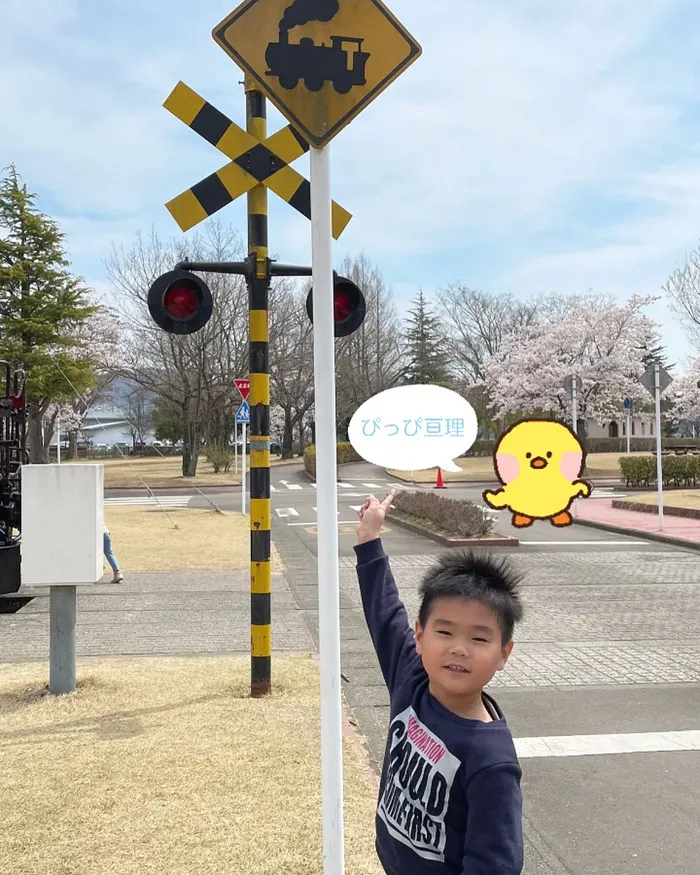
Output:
x,y
167,767
146,539
164,472
672,498
598,465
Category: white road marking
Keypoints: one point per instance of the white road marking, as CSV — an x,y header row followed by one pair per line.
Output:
x,y
147,501
273,488
284,512
314,523
635,542
597,745
345,485
293,486
372,485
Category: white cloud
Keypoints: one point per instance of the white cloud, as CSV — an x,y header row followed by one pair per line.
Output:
x,y
514,117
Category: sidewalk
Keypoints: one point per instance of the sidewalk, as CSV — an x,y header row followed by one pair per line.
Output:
x,y
679,531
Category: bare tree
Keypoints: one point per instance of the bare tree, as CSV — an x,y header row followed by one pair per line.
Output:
x,y
683,289
291,359
372,359
193,372
139,413
477,323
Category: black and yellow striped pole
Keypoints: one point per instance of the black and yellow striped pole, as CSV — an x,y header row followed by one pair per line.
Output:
x,y
259,401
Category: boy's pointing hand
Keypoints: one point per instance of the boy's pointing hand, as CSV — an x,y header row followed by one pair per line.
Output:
x,y
371,516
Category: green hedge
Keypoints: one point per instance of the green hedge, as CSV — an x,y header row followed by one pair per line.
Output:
x,y
599,445
443,515
676,470
345,452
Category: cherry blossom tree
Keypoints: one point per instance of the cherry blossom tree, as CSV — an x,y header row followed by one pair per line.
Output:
x,y
686,394
600,342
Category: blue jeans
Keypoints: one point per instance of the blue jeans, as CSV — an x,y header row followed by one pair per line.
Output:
x,y
109,555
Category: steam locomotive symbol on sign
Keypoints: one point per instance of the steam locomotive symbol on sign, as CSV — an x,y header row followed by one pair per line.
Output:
x,y
342,63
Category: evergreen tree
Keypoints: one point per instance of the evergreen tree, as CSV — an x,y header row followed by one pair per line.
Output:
x,y
41,306
425,347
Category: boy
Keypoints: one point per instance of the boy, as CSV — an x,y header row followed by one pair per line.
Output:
x,y
449,797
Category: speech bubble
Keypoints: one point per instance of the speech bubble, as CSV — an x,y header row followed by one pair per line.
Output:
x,y
412,428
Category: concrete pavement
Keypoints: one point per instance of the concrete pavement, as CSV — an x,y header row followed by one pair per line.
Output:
x,y
610,648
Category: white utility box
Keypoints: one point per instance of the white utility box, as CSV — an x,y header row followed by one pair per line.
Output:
x,y
62,524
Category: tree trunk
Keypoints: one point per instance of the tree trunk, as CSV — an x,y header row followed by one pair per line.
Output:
x,y
287,436
38,453
190,449
73,444
301,437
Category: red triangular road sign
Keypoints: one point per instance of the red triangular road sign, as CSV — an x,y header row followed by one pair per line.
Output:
x,y
243,387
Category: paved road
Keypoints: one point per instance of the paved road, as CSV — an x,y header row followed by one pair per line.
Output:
x,y
601,693
294,505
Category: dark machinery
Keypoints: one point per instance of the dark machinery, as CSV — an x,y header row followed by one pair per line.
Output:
x,y
342,63
12,457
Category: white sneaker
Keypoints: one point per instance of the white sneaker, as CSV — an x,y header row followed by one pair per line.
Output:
x,y
118,577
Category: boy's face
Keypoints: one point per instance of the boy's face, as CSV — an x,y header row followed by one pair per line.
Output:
x,y
461,645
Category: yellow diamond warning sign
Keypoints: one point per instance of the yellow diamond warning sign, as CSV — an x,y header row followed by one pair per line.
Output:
x,y
321,62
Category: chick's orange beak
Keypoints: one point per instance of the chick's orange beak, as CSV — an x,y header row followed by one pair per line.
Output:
x,y
538,462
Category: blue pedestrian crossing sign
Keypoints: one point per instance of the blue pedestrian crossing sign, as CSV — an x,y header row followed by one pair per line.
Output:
x,y
243,414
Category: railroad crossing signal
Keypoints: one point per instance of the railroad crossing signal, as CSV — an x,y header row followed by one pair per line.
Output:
x,y
180,302
318,80
252,162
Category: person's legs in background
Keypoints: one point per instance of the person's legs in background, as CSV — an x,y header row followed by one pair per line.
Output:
x,y
112,559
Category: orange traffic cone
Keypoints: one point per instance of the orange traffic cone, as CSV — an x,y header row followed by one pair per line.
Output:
x,y
439,484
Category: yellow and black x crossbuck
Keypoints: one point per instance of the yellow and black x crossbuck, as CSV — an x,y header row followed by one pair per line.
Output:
x,y
252,163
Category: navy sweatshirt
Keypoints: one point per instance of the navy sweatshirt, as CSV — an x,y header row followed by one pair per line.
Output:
x,y
449,796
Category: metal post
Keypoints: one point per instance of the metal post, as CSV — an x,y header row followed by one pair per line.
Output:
x,y
574,403
58,440
327,501
659,460
629,420
243,452
259,401
235,443
62,640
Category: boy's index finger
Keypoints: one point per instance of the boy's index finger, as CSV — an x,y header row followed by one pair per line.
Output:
x,y
386,504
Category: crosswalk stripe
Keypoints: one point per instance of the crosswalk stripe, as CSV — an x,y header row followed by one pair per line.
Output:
x,y
372,485
345,485
293,486
618,743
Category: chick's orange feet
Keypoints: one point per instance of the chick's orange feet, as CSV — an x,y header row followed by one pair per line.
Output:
x,y
562,519
520,520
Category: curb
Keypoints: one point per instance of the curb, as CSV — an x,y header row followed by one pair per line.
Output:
x,y
601,481
638,533
688,513
503,541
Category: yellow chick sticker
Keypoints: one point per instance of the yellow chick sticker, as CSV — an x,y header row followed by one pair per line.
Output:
x,y
539,462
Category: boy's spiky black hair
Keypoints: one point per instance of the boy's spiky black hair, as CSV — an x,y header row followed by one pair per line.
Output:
x,y
487,579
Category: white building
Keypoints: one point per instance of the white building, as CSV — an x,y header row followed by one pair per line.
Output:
x,y
617,428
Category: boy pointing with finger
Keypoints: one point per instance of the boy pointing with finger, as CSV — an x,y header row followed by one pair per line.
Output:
x,y
449,798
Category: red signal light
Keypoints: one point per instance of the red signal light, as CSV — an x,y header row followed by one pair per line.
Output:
x,y
348,306
180,302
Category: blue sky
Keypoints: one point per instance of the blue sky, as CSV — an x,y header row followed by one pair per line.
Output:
x,y
534,147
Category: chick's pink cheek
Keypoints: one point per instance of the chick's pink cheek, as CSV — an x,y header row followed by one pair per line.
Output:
x,y
570,465
507,466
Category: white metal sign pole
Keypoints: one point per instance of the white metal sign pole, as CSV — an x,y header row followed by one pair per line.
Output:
x,y
659,460
574,403
58,439
235,443
243,448
629,418
327,502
